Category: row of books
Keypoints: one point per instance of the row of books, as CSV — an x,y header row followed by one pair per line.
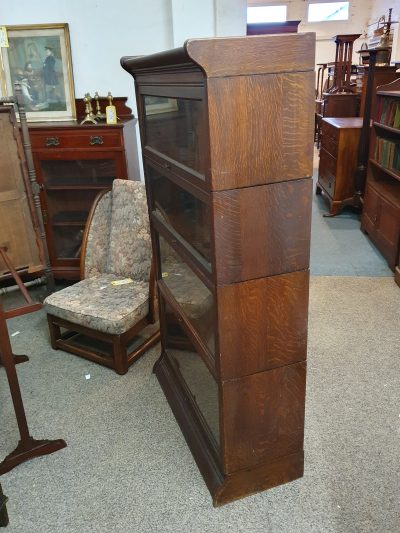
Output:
x,y
387,154
388,112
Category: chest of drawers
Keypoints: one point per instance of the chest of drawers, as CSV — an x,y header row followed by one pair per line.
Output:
x,y
338,160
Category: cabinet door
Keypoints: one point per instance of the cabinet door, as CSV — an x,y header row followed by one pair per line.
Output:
x,y
194,301
174,128
388,231
200,387
184,211
70,182
370,211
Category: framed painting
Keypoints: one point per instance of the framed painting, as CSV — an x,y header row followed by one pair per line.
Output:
x,y
39,56
156,105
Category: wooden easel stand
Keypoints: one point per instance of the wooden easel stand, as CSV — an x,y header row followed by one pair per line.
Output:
x,y
3,509
28,447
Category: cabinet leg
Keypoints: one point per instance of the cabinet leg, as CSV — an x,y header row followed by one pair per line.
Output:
x,y
120,356
55,332
318,190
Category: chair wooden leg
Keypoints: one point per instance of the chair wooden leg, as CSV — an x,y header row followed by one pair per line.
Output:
x,y
120,355
55,332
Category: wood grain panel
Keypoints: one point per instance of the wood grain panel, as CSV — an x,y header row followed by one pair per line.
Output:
x,y
255,54
262,477
263,416
17,232
262,231
264,139
262,324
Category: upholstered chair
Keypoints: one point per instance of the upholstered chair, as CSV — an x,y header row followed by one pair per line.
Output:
x,y
102,317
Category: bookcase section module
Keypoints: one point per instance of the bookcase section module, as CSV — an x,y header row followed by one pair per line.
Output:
x,y
381,213
227,139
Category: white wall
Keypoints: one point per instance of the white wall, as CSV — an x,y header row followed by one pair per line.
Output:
x,y
325,47
101,33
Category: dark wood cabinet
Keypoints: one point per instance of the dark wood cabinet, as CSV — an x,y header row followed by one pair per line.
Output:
x,y
338,160
381,212
73,163
227,141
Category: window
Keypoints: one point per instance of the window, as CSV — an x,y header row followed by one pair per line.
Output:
x,y
267,14
328,11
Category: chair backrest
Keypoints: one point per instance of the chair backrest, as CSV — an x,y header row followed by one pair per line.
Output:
x,y
118,239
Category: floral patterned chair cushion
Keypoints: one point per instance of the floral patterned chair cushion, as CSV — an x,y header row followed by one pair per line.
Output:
x,y
98,241
97,304
130,242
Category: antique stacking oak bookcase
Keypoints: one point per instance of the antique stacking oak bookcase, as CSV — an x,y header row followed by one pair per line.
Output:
x,y
227,138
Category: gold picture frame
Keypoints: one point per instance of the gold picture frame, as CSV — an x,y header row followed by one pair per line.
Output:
x,y
39,56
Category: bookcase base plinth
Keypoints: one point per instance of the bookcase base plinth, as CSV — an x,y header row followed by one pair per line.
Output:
x,y
239,484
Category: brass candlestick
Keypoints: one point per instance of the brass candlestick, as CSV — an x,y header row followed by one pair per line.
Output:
x,y
110,104
89,115
99,115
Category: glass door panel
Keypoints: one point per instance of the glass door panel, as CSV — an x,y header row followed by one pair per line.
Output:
x,y
176,128
187,215
65,218
196,300
96,173
191,367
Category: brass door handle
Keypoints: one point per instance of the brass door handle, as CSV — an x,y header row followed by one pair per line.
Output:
x,y
95,139
52,141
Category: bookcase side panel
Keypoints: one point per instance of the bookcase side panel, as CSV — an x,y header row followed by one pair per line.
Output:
x,y
261,139
263,416
262,231
262,324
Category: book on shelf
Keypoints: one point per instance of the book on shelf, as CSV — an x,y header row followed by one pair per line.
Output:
x,y
388,112
387,154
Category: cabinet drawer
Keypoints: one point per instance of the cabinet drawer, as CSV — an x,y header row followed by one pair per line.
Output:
x,y
67,139
330,144
371,204
327,171
330,130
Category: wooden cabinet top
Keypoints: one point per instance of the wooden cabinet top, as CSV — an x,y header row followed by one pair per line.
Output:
x,y
73,124
257,54
345,123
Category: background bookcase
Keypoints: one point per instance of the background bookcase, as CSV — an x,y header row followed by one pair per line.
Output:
x,y
381,212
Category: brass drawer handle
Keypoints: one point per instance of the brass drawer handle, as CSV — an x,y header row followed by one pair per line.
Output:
x,y
52,141
96,139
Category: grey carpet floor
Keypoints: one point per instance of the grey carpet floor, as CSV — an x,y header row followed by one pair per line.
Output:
x,y
127,467
338,246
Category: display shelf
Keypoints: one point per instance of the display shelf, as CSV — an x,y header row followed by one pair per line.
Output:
x,y
381,213
71,173
389,171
